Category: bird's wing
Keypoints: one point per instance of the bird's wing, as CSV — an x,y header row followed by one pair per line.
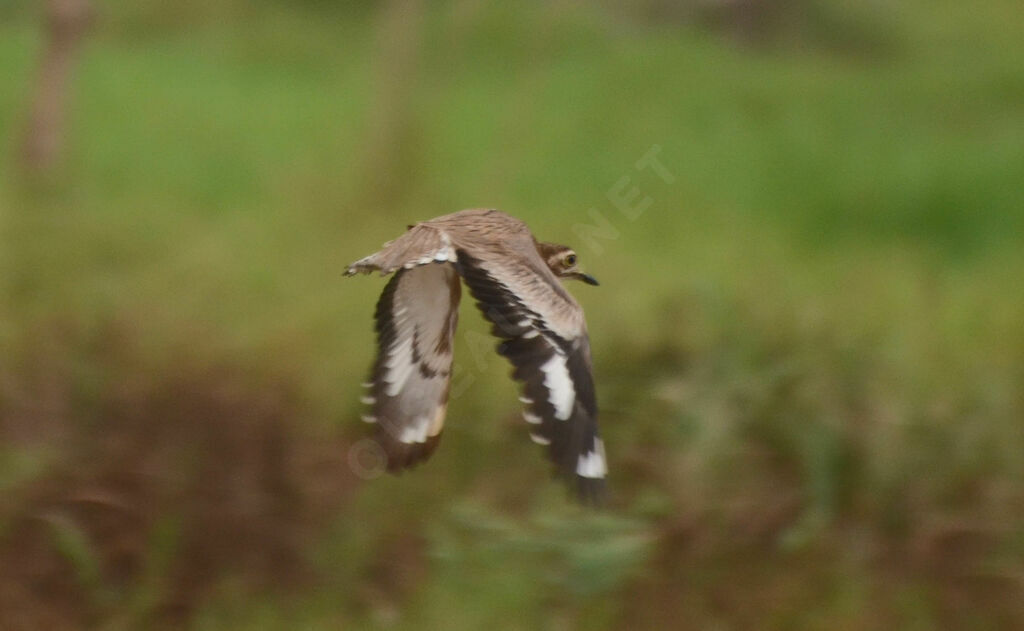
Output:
x,y
419,245
551,359
416,317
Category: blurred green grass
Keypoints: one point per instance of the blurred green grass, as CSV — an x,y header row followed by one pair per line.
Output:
x,y
808,348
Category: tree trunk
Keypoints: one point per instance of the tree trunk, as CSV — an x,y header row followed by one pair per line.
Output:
x,y
66,23
392,153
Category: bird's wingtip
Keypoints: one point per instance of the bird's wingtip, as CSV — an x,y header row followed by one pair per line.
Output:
x,y
362,266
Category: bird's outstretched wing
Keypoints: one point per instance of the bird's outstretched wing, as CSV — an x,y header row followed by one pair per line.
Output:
x,y
421,244
554,368
408,390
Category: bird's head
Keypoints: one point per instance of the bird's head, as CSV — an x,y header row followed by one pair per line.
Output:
x,y
563,261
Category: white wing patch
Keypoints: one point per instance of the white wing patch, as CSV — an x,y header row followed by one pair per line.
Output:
x,y
592,464
531,418
561,393
399,366
540,440
447,252
415,432
424,427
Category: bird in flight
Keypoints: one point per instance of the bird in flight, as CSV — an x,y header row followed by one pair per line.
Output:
x,y
517,283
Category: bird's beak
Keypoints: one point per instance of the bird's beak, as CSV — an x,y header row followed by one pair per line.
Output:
x,y
587,278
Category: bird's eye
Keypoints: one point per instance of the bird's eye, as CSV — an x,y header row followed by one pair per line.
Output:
x,y
570,260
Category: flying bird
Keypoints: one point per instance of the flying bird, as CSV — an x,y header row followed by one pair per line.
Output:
x,y
517,284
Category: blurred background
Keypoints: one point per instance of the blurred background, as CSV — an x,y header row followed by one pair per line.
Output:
x,y
806,215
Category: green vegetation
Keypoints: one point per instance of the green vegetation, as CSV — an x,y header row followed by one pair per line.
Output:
x,y
809,347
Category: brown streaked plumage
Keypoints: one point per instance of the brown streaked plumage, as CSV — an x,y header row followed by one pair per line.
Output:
x,y
516,283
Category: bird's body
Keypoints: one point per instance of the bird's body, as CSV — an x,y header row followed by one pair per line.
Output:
x,y
515,281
